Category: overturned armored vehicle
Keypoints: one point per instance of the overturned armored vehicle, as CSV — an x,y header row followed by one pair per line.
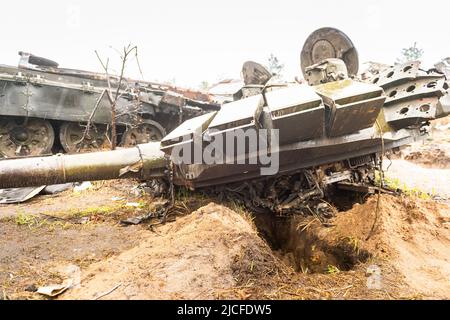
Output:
x,y
279,146
44,108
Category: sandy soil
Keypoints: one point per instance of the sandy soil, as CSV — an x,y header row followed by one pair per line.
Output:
x,y
216,252
215,249
412,235
192,258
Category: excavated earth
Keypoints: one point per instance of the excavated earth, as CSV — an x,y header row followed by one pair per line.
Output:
x,y
387,247
224,252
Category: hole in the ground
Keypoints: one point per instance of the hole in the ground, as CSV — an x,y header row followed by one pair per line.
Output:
x,y
298,239
300,242
343,200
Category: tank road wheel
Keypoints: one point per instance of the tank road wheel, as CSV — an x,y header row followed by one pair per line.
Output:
x,y
22,137
74,138
148,131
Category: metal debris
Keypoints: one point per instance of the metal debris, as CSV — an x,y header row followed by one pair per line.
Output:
x,y
160,212
19,195
57,188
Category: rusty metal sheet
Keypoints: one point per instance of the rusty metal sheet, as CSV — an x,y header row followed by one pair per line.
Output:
x,y
353,105
300,126
255,73
292,97
413,95
188,127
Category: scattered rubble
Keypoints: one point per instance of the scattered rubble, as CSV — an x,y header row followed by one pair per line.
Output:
x,y
18,195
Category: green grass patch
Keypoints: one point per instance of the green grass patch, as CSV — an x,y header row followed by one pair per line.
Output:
x,y
396,184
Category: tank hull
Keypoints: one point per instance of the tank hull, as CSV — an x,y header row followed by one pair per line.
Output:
x,y
61,96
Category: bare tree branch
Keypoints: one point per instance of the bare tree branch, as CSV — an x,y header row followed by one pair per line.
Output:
x,y
88,125
113,98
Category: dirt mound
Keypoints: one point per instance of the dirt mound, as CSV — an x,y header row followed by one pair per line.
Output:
x,y
406,239
429,156
197,257
412,234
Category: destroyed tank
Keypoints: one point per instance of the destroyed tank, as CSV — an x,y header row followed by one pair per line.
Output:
x,y
44,108
312,138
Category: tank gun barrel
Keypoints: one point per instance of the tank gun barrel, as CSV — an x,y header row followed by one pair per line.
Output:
x,y
144,161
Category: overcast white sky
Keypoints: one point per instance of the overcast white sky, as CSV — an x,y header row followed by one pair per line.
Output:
x,y
194,40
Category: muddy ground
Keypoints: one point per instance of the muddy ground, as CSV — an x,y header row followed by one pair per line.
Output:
x,y
210,250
